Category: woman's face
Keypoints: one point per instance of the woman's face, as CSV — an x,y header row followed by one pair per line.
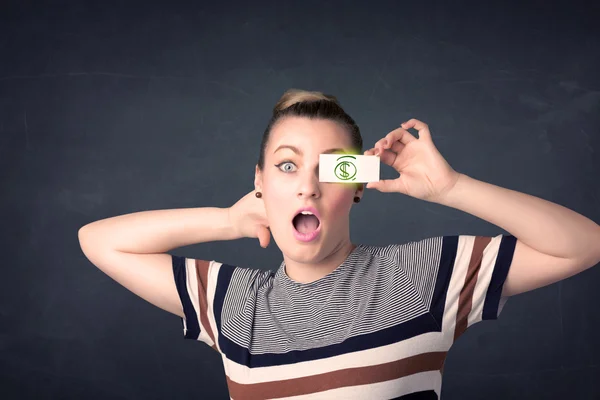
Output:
x,y
290,180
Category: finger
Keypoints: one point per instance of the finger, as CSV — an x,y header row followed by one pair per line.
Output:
x,y
384,185
400,135
373,151
397,147
395,138
420,126
264,235
370,152
389,185
381,151
387,157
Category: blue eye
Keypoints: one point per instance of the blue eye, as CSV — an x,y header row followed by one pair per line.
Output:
x,y
282,163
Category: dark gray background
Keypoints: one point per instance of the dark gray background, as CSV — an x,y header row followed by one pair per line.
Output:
x,y
108,109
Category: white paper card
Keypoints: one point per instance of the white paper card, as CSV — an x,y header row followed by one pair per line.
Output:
x,y
348,168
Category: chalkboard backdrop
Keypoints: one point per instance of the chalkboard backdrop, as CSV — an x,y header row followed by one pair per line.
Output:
x,y
109,108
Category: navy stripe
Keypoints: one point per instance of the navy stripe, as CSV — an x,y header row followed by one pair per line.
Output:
x,y
223,280
191,318
503,261
423,395
444,274
394,334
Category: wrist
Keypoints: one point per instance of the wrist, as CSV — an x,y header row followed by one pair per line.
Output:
x,y
232,223
453,193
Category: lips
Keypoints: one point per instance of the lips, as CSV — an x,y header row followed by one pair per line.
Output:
x,y
310,209
309,236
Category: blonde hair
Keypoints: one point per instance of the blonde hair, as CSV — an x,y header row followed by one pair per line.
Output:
x,y
293,96
312,105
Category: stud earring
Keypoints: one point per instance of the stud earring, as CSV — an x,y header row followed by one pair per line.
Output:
x,y
258,194
356,199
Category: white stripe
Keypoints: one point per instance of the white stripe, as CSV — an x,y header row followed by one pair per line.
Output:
x,y
382,390
457,281
213,273
425,343
488,260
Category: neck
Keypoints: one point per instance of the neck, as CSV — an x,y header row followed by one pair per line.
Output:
x,y
307,273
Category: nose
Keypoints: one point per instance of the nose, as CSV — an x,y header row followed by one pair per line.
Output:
x,y
309,186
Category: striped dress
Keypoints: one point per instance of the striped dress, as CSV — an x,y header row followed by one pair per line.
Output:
x,y
377,327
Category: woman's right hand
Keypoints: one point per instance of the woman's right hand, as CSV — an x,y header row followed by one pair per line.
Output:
x,y
248,218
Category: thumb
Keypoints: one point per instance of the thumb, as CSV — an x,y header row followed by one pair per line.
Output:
x,y
383,185
264,236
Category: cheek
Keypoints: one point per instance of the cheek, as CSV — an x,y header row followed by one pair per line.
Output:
x,y
279,192
277,203
340,205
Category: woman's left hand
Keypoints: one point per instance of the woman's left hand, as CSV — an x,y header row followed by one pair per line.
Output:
x,y
424,173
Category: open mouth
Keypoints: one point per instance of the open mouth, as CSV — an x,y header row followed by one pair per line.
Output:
x,y
306,223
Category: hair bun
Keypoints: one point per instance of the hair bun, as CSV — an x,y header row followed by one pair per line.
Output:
x,y
293,96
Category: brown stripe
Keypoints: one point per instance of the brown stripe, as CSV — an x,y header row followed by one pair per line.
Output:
x,y
202,273
338,379
465,300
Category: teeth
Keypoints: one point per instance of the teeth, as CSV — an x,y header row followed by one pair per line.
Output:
x,y
306,213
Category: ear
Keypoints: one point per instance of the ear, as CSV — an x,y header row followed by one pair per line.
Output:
x,y
360,188
257,178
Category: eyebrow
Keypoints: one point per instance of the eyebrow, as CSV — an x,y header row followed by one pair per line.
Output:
x,y
298,151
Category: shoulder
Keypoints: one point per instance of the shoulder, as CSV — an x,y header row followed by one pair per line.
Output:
x,y
217,273
409,252
375,253
243,277
444,248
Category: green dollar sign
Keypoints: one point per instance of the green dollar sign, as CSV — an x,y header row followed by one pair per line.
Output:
x,y
345,170
343,167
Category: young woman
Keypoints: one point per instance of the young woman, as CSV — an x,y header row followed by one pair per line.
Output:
x,y
340,320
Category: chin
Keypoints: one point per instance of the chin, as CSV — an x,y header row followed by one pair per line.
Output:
x,y
304,252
